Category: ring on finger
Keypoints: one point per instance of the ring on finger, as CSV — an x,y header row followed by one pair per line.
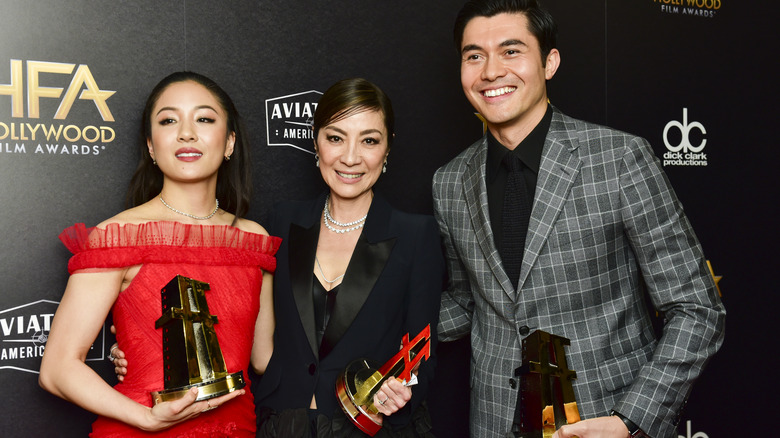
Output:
x,y
208,403
111,356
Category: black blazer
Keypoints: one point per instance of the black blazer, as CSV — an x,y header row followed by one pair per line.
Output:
x,y
392,287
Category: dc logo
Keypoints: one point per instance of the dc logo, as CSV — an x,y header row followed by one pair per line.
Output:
x,y
695,435
685,131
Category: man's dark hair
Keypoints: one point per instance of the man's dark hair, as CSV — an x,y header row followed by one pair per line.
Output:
x,y
540,23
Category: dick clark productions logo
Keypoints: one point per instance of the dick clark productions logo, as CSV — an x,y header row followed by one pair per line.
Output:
x,y
683,152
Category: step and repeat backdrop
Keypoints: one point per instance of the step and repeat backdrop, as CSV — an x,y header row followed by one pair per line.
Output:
x,y
695,77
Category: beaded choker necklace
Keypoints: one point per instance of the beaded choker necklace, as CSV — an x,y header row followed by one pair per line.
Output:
x,y
345,227
200,218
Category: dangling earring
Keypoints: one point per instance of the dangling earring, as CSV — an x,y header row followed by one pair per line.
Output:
x,y
384,166
154,161
317,160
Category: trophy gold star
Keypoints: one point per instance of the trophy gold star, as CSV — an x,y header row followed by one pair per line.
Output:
x,y
715,277
484,122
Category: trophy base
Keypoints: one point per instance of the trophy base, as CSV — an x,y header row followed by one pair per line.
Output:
x,y
206,390
355,401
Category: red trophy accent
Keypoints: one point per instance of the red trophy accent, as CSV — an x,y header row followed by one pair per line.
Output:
x,y
356,387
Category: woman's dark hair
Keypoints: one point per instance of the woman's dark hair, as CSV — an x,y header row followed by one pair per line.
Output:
x,y
540,23
351,96
234,179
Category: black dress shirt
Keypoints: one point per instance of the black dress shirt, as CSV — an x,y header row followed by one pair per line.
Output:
x,y
530,153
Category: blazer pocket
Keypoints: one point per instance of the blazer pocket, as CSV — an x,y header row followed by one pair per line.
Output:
x,y
621,371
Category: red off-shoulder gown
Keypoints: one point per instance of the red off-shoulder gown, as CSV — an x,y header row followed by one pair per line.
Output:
x,y
230,260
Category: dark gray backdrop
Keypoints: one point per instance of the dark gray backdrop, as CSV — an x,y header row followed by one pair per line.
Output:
x,y
633,65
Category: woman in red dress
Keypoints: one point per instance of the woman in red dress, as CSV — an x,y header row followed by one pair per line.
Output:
x,y
189,193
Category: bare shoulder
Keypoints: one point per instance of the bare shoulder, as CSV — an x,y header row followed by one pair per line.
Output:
x,y
251,227
135,215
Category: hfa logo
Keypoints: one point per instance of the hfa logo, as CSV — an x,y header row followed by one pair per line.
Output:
x,y
682,152
82,86
25,330
58,91
697,8
289,118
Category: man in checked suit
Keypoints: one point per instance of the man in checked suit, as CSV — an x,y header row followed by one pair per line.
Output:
x,y
603,221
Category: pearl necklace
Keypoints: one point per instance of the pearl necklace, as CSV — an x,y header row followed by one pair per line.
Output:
x,y
347,226
200,218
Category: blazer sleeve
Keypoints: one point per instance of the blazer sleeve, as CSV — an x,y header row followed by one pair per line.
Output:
x,y
422,308
680,285
457,301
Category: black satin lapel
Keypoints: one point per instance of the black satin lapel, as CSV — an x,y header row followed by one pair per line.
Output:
x,y
303,247
367,262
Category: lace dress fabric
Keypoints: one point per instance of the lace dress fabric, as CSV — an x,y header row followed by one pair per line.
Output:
x,y
230,260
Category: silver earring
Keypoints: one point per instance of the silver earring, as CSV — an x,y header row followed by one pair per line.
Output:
x,y
227,157
317,160
384,167
154,161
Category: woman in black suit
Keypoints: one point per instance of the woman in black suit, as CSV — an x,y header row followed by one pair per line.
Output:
x,y
353,276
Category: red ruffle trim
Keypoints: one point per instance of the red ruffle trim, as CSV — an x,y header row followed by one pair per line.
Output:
x,y
167,243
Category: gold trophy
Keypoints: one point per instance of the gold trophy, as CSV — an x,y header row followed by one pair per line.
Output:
x,y
191,353
356,386
545,401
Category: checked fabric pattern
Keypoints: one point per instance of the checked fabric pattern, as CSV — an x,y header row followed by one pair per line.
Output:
x,y
604,220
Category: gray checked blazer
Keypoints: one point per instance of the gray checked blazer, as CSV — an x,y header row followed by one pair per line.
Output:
x,y
604,221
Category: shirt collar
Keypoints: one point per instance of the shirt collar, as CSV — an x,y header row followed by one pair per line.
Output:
x,y
529,150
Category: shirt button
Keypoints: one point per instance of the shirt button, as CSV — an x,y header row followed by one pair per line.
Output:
x,y
524,330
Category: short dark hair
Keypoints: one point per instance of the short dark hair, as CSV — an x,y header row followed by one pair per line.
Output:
x,y
350,96
540,23
234,178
